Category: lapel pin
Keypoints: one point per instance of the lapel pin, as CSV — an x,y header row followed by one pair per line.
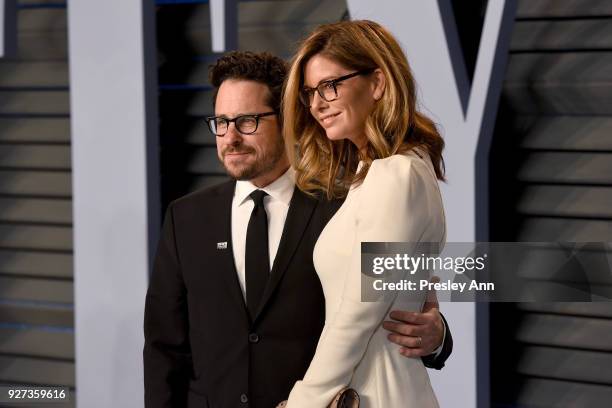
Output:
x,y
221,245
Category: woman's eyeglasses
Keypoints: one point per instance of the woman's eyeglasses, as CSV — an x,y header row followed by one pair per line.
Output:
x,y
328,90
245,124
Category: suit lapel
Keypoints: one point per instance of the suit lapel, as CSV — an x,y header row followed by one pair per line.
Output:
x,y
222,224
298,217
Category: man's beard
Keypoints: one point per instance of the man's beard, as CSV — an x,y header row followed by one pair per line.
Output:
x,y
259,167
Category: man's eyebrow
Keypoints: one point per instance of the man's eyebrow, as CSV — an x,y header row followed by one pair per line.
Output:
x,y
235,116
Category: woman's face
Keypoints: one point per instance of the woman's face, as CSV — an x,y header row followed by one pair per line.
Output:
x,y
345,117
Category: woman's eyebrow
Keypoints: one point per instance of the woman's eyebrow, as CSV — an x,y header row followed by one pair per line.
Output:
x,y
326,79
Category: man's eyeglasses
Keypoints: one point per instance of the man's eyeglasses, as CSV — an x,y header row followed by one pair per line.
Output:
x,y
245,124
328,90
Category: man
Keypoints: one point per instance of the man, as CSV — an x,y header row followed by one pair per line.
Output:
x,y
234,308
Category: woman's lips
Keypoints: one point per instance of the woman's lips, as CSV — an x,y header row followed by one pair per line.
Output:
x,y
328,119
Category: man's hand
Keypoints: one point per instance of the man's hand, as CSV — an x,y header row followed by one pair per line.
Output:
x,y
419,334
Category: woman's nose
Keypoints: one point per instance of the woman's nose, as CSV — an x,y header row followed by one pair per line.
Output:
x,y
318,102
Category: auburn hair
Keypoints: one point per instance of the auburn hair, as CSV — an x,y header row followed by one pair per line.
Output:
x,y
395,126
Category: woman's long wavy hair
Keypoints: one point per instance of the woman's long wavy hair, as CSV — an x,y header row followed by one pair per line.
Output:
x,y
394,126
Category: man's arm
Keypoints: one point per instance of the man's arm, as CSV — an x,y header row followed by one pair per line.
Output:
x,y
167,353
422,334
438,358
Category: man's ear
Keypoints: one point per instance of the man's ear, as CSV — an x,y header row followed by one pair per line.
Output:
x,y
379,82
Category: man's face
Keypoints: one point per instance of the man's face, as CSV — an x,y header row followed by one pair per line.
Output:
x,y
253,156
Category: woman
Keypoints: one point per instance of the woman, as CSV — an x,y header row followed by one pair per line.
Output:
x,y
350,118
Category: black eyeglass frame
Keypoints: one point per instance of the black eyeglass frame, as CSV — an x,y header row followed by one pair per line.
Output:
x,y
256,116
305,92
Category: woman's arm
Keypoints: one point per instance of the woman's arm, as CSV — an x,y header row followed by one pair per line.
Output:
x,y
398,202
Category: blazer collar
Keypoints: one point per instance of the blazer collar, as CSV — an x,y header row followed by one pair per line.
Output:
x,y
221,223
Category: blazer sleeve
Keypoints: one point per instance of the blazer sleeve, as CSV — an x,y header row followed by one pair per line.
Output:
x,y
167,353
437,361
398,201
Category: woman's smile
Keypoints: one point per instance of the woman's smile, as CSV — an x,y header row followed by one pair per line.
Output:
x,y
327,120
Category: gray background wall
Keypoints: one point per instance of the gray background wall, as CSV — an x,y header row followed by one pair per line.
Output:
x,y
551,175
115,192
36,274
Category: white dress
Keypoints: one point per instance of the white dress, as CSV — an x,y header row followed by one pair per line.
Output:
x,y
399,201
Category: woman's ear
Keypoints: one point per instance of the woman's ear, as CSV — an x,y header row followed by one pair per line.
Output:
x,y
379,83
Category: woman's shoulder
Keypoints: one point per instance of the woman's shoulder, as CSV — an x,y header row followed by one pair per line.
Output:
x,y
401,164
398,182
398,174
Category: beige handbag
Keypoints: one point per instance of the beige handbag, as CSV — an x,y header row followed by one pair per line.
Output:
x,y
346,398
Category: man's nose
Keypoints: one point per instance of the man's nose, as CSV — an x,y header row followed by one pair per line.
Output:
x,y
233,136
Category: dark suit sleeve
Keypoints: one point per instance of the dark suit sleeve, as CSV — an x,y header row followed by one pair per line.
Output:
x,y
437,363
167,353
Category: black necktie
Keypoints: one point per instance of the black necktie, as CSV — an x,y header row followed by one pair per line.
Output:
x,y
257,261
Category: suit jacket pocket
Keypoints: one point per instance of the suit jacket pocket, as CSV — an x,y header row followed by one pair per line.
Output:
x,y
196,400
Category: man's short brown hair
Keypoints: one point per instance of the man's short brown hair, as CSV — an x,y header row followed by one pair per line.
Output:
x,y
263,67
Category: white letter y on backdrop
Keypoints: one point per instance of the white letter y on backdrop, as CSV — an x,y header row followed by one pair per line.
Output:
x,y
427,32
465,115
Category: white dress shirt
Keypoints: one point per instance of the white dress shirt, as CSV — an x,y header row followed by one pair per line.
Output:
x,y
276,204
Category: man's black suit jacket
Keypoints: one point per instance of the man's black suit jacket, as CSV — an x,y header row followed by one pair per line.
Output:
x,y
201,349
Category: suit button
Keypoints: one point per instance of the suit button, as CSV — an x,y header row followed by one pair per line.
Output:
x,y
253,338
244,399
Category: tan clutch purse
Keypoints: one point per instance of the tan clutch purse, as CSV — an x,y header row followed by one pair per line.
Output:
x,y
346,398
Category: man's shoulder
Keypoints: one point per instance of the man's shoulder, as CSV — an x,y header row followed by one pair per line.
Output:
x,y
204,196
330,205
325,207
